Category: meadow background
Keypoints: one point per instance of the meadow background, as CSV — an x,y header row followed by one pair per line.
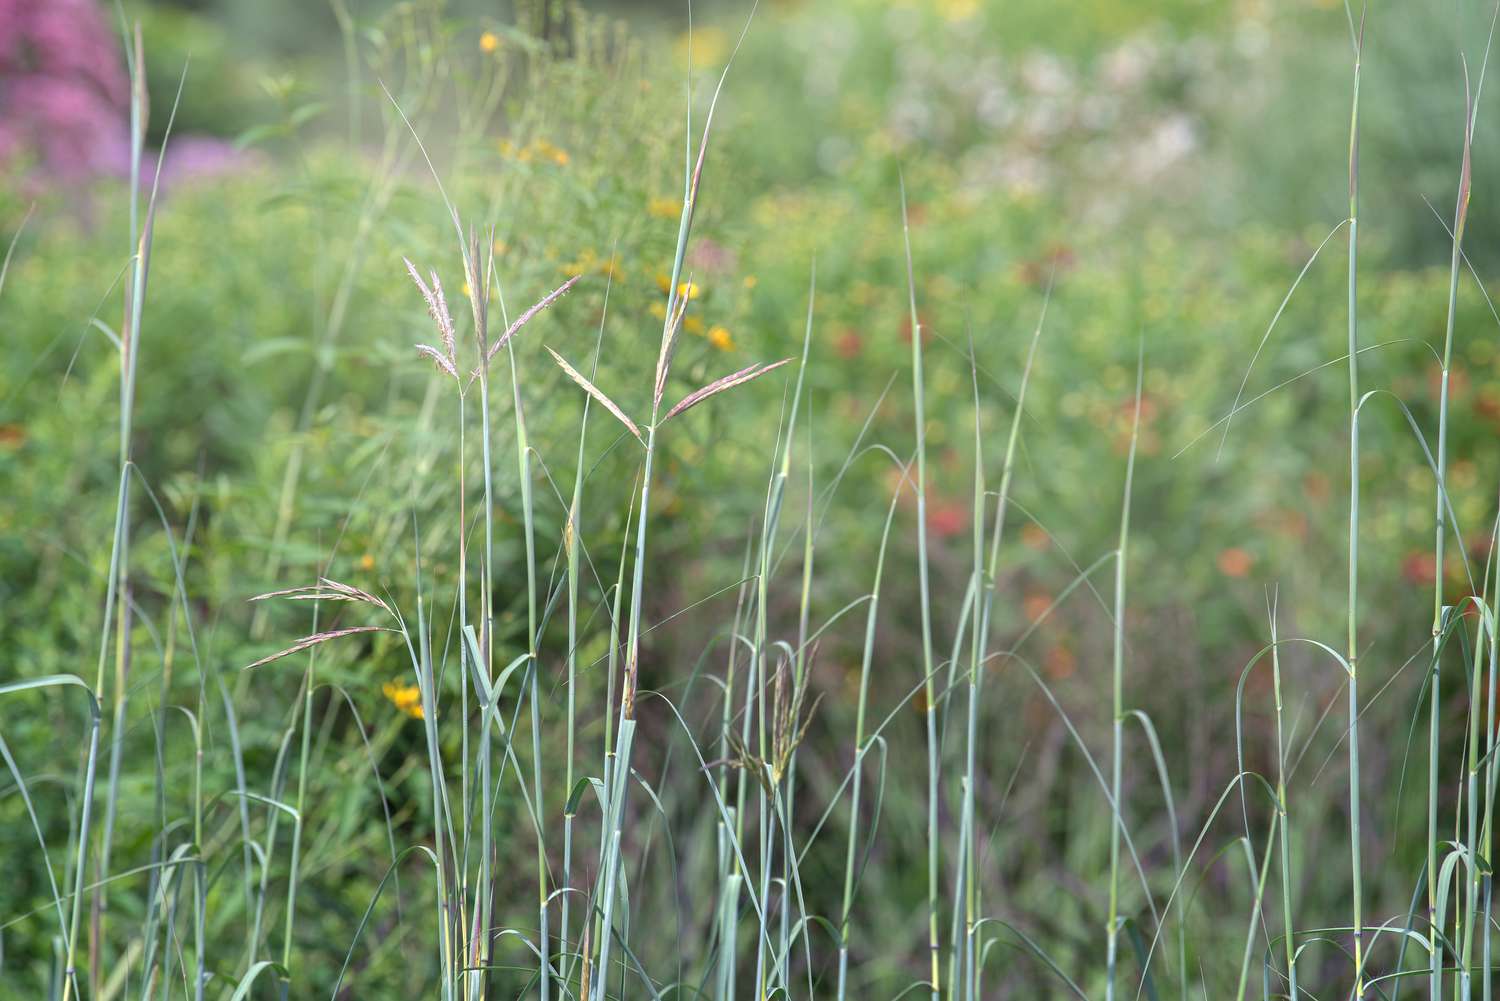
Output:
x,y
1134,188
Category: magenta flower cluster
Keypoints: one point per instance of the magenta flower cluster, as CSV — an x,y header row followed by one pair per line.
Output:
x,y
64,93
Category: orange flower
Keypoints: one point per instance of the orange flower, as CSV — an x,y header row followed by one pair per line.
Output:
x,y
1234,562
1036,605
1458,383
404,696
1418,567
1060,663
1487,405
1055,261
850,344
921,322
489,42
1288,522
946,518
919,700
1148,409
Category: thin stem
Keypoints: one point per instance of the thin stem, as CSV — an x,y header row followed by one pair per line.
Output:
x,y
1284,829
928,688
1118,820
1352,649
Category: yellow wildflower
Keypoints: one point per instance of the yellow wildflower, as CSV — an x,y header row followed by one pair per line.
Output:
x,y
659,310
367,562
542,149
489,42
586,261
751,281
664,207
405,697
958,10
589,262
704,47
720,338
693,324
687,290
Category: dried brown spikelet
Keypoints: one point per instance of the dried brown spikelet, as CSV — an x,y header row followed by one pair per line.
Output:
x,y
437,308
597,394
525,317
315,639
744,375
441,359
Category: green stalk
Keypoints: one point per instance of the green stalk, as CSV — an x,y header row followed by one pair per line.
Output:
x,y
1255,910
928,688
461,864
570,546
846,912
1440,532
1490,766
612,744
484,906
728,878
294,872
617,789
760,667
117,595
799,673
1118,820
759,680
448,963
624,742
1471,900
1284,813
968,849
799,683
612,667
989,581
1352,649
523,458
620,785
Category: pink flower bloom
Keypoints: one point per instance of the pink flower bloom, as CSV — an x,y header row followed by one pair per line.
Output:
x,y
63,88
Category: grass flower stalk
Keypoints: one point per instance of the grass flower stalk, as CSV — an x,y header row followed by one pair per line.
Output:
x,y
1283,810
1351,651
929,693
1440,533
986,584
1117,821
